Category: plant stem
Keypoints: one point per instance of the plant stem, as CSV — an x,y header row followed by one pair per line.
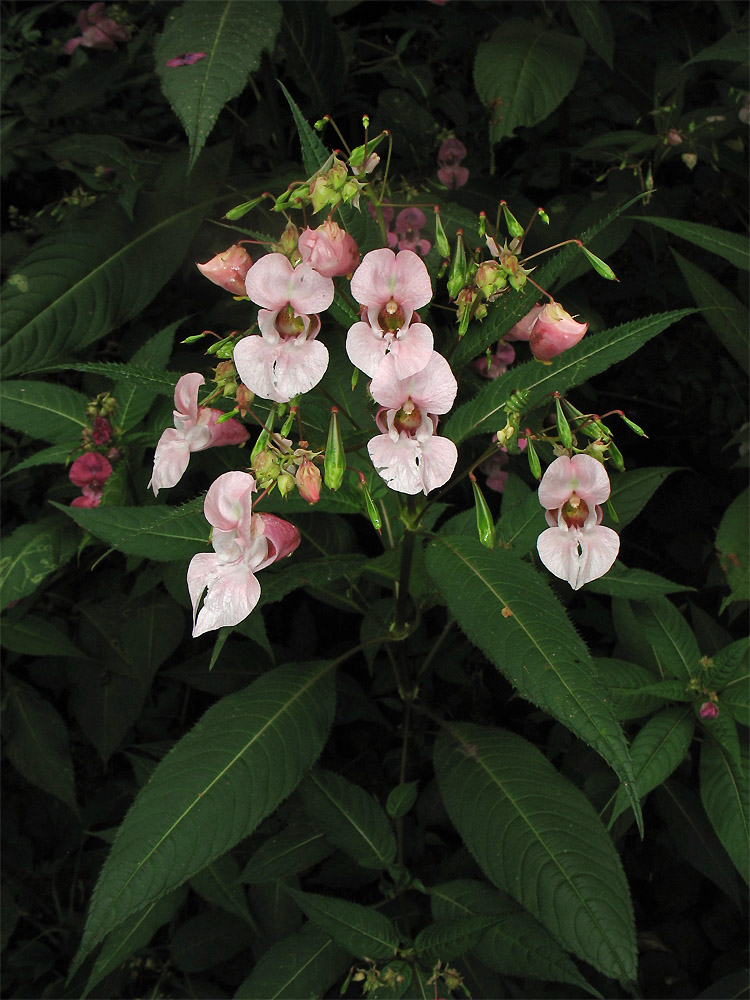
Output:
x,y
407,553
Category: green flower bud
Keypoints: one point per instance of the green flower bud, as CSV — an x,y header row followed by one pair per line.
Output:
x,y
286,483
334,464
598,265
615,457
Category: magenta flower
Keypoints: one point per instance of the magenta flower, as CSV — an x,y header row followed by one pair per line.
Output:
x,y
329,249
244,543
709,710
97,31
186,59
228,269
504,356
450,155
195,429
285,360
576,547
554,332
407,229
89,472
408,454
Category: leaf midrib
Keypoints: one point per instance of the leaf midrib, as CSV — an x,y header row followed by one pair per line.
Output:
x,y
337,805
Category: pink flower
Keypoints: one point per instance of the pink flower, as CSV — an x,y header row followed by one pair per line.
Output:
x,y
228,269
523,328
195,429
97,31
329,250
554,332
244,543
450,155
504,356
186,59
709,710
285,360
408,454
576,547
408,225
90,472
101,431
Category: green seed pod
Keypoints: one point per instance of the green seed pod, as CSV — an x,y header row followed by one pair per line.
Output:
x,y
634,427
457,275
485,524
534,463
563,427
599,265
334,464
441,239
515,228
372,510
615,457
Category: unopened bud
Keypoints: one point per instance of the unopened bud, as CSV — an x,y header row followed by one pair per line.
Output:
x,y
709,710
308,481
615,457
690,160
243,209
633,426
334,465
543,216
457,275
289,240
598,264
286,483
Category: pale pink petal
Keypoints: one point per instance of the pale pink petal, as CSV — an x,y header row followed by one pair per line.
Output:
x,y
366,347
433,389
555,331
283,538
254,358
599,546
186,395
228,502
558,550
411,350
227,432
582,474
272,282
578,556
397,462
383,275
232,592
170,460
299,366
523,328
439,457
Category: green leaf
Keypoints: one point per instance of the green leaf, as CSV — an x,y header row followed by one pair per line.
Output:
x,y
363,932
35,636
56,454
233,35
522,525
730,665
287,853
730,246
631,491
100,270
594,354
625,682
670,637
517,944
732,48
219,883
156,380
305,964
158,532
30,554
537,837
37,742
245,756
638,584
523,72
733,548
350,817
315,56
725,797
312,573
723,312
657,750
208,939
448,939
592,21
132,935
133,398
42,410
505,609
401,799
314,153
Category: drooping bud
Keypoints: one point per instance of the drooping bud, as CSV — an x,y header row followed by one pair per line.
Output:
x,y
633,426
555,331
485,524
308,481
243,209
334,465
228,269
615,457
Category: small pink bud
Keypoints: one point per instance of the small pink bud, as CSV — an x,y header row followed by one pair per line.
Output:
x,y
308,481
329,250
673,137
709,710
555,331
228,269
102,430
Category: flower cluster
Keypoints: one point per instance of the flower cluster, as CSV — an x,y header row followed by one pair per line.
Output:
x,y
97,31
101,447
450,172
89,472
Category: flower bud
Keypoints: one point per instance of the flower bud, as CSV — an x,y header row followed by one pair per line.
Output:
x,y
334,465
286,483
673,137
308,481
289,239
266,465
228,269
515,229
329,249
709,710
690,160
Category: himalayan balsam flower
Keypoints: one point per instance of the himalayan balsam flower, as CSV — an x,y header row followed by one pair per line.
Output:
x,y
329,249
522,330
228,269
390,287
408,454
186,59
503,356
97,31
89,472
450,155
244,543
576,547
286,359
407,231
195,428
555,331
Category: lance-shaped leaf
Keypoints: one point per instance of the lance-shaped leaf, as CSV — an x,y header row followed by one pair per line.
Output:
x,y
523,72
726,799
100,270
289,852
30,554
537,837
361,931
158,532
247,754
731,246
232,36
733,548
656,751
669,636
517,944
485,413
351,818
625,682
304,964
592,20
52,413
638,584
509,612
631,491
